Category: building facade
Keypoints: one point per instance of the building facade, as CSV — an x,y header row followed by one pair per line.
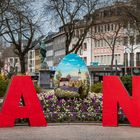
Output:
x,y
49,51
107,34
58,47
11,61
34,60
31,61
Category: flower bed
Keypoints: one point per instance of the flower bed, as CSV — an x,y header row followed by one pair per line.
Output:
x,y
62,93
88,109
72,110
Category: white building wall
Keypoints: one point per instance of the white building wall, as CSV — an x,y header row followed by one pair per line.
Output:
x,y
11,62
102,52
49,54
87,53
31,61
86,50
135,51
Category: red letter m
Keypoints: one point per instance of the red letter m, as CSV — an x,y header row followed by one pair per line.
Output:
x,y
114,94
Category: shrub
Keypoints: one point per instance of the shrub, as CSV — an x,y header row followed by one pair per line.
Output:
x,y
96,88
79,89
84,89
3,85
127,81
37,88
60,93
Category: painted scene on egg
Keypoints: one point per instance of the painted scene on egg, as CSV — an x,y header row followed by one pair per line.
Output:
x,y
71,77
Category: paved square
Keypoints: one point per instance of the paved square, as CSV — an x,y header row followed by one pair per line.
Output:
x,y
70,132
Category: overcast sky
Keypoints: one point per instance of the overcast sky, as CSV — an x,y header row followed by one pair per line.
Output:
x,y
45,24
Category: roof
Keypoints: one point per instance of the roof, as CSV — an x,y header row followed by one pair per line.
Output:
x,y
8,52
74,78
64,79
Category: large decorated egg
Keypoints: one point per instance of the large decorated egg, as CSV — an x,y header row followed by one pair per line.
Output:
x,y
71,78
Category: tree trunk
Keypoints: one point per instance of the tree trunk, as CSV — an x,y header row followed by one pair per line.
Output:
x,y
22,64
67,41
112,60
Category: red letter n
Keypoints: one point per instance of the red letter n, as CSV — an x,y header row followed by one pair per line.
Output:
x,y
114,94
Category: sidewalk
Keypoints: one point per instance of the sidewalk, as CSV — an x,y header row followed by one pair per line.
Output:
x,y
70,132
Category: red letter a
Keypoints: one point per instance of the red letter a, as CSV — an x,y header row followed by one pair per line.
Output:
x,y
114,93
21,86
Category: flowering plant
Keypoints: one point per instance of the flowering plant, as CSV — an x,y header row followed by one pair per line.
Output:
x,y
88,109
71,109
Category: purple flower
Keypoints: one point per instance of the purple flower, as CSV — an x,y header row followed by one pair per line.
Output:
x,y
49,97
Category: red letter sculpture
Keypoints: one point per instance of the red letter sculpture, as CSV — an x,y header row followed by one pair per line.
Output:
x,y
21,87
114,93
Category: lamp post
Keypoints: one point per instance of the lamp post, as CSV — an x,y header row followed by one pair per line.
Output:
x,y
125,69
130,33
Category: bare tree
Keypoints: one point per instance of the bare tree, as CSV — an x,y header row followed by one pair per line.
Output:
x,y
131,47
20,30
130,12
112,39
130,16
4,4
69,13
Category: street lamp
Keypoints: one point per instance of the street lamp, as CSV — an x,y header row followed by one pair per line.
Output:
x,y
125,69
130,33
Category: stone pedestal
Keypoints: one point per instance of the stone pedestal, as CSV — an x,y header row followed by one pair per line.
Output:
x,y
45,79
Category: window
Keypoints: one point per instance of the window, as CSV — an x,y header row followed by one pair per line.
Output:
x,y
131,59
95,43
95,58
102,43
31,70
105,59
81,51
30,55
131,25
118,58
85,46
59,52
105,13
11,60
77,33
85,59
112,27
105,43
99,28
95,29
102,59
73,45
105,28
138,58
30,64
125,41
138,39
16,60
132,40
108,27
99,43
73,34
125,59
81,32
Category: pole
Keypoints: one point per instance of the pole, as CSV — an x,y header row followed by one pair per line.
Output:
x,y
125,70
116,65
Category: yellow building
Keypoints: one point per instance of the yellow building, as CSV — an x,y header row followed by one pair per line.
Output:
x,y
34,60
